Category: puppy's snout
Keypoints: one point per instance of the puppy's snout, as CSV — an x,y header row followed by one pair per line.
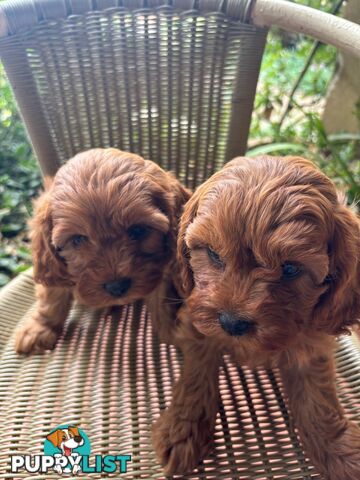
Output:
x,y
234,325
119,287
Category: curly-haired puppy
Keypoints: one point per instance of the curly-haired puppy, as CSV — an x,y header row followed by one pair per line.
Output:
x,y
104,232
270,261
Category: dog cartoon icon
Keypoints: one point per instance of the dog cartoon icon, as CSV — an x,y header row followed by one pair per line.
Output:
x,y
66,440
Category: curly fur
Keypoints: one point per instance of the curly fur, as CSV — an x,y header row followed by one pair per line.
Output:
x,y
101,194
257,215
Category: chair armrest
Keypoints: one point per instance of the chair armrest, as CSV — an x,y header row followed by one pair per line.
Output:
x,y
325,27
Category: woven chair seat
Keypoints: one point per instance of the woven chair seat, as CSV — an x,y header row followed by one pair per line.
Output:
x,y
175,82
110,375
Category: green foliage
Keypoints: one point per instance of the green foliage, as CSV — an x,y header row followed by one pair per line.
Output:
x,y
19,183
302,131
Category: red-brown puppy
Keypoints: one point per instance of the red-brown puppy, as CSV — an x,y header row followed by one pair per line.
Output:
x,y
270,262
104,233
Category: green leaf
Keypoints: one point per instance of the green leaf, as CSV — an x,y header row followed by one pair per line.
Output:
x,y
21,268
11,229
4,279
276,148
24,253
343,137
4,212
8,263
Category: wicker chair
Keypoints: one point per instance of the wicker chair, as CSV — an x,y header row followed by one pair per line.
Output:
x,y
175,82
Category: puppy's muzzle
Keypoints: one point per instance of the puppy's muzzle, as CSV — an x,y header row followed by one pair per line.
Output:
x,y
118,288
235,325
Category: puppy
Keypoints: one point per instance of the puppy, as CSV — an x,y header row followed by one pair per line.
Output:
x,y
270,262
66,439
104,232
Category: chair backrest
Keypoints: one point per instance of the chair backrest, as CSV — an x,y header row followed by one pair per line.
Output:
x,y
172,82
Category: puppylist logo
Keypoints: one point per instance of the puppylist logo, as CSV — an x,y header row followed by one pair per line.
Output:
x,y
67,451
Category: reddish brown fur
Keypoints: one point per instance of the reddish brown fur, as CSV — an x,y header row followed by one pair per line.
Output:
x,y
100,194
258,214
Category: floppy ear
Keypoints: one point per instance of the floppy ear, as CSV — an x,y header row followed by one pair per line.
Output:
x,y
49,268
173,196
55,438
180,196
339,306
190,211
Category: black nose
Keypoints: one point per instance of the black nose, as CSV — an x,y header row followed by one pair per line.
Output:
x,y
78,439
118,288
234,325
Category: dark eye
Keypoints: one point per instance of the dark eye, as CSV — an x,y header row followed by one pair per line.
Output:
x,y
138,232
78,240
214,257
290,271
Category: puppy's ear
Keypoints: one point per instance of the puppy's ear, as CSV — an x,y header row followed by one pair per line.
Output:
x,y
180,196
55,438
49,268
339,306
183,256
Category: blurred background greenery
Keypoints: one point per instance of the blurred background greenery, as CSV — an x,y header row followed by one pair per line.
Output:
x,y
20,181
300,131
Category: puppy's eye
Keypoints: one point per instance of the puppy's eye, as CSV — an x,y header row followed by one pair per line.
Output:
x,y
215,258
138,232
290,270
78,240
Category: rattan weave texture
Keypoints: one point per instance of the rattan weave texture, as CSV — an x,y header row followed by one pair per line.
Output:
x,y
109,374
166,84
173,81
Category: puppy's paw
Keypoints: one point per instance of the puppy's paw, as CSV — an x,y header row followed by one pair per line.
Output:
x,y
34,337
179,443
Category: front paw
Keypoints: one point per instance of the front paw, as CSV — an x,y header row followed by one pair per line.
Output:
x,y
181,443
34,337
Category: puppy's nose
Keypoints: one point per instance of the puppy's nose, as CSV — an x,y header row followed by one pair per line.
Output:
x,y
234,325
78,439
119,287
